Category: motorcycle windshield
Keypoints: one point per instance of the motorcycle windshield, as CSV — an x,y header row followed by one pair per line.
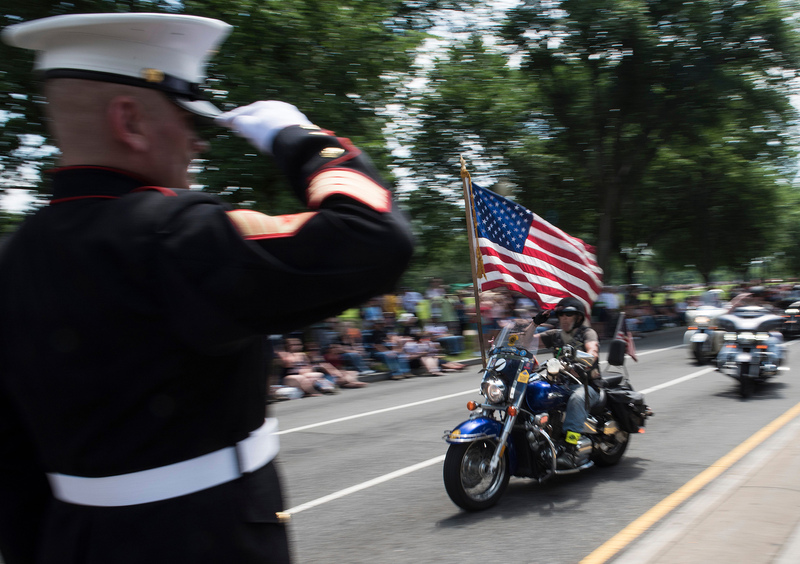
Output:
x,y
502,339
515,336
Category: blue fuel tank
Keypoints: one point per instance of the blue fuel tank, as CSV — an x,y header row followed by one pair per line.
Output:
x,y
544,396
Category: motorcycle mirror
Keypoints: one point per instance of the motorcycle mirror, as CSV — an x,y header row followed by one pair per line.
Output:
x,y
584,358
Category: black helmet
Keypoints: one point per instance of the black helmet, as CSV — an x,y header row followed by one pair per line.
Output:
x,y
572,304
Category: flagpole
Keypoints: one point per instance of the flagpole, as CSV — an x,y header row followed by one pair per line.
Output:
x,y
472,257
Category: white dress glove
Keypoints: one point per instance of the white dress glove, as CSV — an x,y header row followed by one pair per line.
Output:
x,y
260,122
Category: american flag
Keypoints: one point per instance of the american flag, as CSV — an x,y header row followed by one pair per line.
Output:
x,y
521,251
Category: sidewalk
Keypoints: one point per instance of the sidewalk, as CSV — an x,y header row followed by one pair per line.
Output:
x,y
749,514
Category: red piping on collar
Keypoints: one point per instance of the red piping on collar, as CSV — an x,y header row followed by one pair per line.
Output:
x,y
163,191
71,198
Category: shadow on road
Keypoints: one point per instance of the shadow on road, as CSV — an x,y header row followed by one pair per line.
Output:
x,y
560,494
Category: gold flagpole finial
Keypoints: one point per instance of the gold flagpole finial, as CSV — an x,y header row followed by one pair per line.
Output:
x,y
464,171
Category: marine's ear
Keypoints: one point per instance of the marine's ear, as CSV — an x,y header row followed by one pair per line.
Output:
x,y
126,120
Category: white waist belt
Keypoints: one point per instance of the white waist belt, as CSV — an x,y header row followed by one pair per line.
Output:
x,y
173,480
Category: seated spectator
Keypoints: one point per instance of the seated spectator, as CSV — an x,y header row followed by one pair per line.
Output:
x,y
298,371
646,314
337,376
419,357
438,331
384,349
278,390
409,325
434,351
353,352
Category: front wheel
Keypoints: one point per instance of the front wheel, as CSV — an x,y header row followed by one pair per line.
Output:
x,y
746,384
609,448
468,479
697,351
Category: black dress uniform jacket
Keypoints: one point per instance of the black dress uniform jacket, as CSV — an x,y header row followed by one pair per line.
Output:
x,y
131,337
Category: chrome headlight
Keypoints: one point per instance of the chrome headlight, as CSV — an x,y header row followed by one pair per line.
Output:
x,y
792,311
494,390
702,320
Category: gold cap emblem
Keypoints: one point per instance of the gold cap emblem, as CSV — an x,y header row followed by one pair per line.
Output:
x,y
153,75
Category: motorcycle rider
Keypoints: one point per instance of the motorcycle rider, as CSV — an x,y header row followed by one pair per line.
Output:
x,y
574,330
757,296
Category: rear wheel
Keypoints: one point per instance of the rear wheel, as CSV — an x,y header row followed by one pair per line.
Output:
x,y
608,449
468,479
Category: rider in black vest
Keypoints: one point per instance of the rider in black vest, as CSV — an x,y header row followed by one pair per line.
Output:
x,y
573,330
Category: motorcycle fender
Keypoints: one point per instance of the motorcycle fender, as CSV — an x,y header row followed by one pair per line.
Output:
x,y
482,428
699,338
474,430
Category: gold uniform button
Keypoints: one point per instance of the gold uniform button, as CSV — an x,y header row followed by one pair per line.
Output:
x,y
331,152
283,517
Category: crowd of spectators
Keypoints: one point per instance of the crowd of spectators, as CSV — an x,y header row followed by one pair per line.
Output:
x,y
405,334
411,333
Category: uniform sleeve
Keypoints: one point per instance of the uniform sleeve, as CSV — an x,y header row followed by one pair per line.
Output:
x,y
24,491
250,272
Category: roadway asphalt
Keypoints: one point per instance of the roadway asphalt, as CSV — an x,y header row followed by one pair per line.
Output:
x,y
749,513
744,509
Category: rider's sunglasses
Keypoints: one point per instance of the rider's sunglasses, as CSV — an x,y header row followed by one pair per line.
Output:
x,y
567,313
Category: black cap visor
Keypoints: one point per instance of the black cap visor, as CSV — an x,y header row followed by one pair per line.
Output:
x,y
185,94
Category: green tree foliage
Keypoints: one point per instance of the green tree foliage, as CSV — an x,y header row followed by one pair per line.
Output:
x,y
631,106
331,59
633,124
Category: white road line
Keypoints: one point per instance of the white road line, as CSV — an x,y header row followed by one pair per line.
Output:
x,y
419,466
376,412
679,380
414,404
365,485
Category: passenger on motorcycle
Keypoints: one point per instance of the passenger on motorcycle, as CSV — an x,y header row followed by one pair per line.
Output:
x,y
573,330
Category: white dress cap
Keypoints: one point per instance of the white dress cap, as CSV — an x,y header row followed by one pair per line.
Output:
x,y
167,52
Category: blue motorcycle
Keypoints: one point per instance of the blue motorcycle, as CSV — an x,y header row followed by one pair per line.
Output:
x,y
513,431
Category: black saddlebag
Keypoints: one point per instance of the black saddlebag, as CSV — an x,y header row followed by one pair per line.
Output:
x,y
628,408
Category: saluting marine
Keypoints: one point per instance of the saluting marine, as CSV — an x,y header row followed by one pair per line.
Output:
x,y
133,310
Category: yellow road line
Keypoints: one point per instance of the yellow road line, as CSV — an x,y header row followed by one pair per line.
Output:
x,y
627,535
